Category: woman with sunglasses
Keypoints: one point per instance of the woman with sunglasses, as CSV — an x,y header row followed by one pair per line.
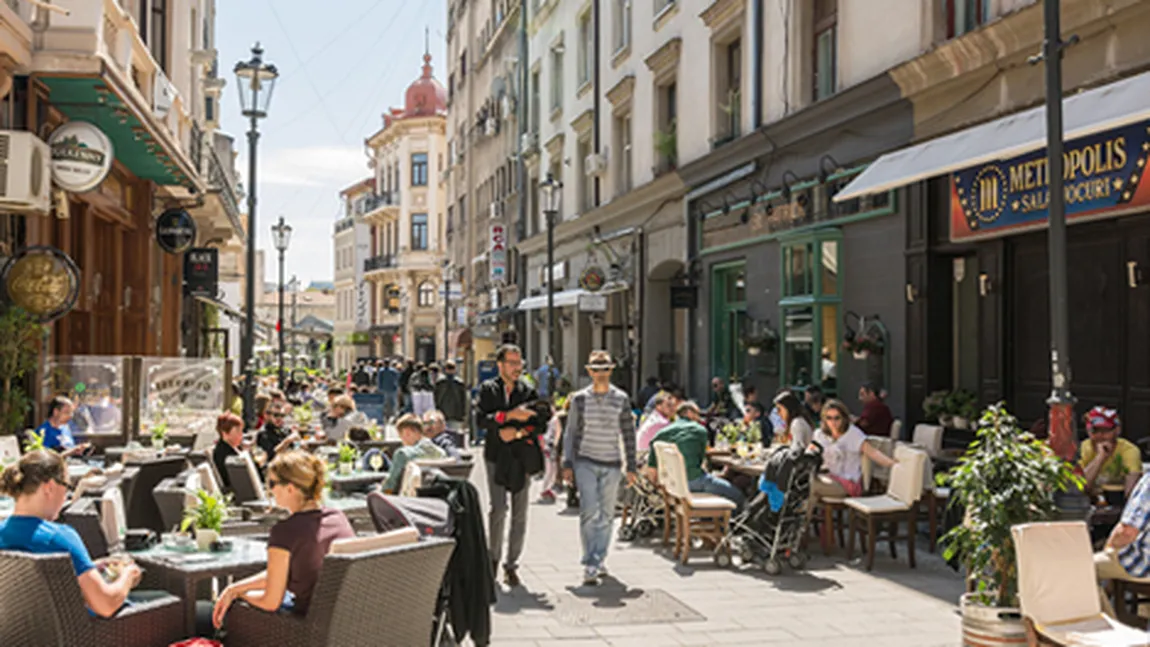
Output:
x,y
39,483
844,445
296,545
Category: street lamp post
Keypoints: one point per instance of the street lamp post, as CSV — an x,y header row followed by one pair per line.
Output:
x,y
294,283
258,78
446,311
281,236
552,191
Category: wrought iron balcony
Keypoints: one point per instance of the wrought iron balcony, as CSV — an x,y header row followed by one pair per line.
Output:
x,y
380,262
385,199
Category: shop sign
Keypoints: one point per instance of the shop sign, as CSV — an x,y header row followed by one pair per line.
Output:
x,y
43,281
202,272
593,278
175,231
81,156
1104,176
592,303
684,297
497,253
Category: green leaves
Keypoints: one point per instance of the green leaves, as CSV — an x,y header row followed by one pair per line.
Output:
x,y
35,441
209,512
347,453
20,337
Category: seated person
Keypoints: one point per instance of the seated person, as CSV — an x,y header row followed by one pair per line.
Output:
x,y
690,436
1106,457
38,482
659,417
231,430
296,545
274,438
435,430
844,446
99,413
57,429
338,420
876,418
1127,552
415,447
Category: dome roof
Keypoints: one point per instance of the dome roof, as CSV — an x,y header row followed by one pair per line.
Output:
x,y
426,96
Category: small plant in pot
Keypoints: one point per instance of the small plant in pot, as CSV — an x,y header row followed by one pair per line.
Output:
x,y
1113,481
934,407
159,434
962,407
1006,477
346,458
207,516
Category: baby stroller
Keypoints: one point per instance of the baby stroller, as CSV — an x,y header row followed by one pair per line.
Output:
x,y
772,525
642,508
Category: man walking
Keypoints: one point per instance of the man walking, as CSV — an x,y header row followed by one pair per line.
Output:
x,y
451,399
512,453
545,377
387,379
598,416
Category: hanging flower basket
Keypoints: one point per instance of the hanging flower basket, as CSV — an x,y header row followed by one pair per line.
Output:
x,y
860,354
862,346
759,338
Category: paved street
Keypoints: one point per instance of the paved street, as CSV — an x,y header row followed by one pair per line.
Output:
x,y
650,601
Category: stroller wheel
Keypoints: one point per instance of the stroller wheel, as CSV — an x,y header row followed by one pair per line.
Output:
x,y
722,559
626,534
645,528
796,560
772,567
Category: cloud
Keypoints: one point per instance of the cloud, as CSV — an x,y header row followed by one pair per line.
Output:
x,y
315,166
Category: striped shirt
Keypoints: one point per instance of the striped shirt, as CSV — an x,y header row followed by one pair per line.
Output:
x,y
1135,558
596,423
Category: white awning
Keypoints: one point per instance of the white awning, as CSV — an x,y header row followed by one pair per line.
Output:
x,y
1111,106
562,299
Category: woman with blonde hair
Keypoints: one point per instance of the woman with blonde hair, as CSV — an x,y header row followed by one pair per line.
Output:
x,y
296,545
844,446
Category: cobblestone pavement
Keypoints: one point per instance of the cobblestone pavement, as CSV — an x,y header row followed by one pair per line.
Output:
x,y
649,600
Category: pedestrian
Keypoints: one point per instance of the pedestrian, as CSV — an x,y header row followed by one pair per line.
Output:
x,y
422,397
545,377
388,380
598,416
451,399
512,428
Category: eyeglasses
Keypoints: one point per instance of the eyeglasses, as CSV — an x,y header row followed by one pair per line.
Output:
x,y
272,483
65,483
834,418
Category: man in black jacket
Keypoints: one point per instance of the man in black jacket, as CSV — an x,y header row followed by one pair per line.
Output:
x,y
513,429
451,398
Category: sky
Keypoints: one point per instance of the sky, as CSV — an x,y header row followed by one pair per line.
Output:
x,y
340,69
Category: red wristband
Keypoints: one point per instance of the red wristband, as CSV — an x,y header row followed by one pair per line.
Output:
x,y
501,417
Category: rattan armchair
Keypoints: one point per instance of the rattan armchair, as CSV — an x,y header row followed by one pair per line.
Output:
x,y
382,598
42,606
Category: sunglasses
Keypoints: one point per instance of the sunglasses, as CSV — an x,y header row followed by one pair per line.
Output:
x,y
65,483
834,418
281,416
272,483
598,370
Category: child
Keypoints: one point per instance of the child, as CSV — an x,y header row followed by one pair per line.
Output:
x,y
551,442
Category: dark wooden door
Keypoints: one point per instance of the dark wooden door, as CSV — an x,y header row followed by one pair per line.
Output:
x,y
991,322
1136,411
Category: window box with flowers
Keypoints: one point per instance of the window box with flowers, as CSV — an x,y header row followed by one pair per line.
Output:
x,y
862,345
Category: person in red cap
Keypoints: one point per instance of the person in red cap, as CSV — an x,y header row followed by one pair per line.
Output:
x,y
1106,454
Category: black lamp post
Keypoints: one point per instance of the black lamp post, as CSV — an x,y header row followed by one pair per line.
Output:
x,y
281,235
552,191
255,82
447,272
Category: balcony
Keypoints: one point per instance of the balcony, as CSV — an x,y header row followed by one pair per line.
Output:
x,y
219,212
380,262
380,207
344,224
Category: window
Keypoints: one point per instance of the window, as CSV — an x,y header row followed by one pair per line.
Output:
x,y
729,91
729,305
824,76
418,169
209,109
426,295
159,33
419,232
621,24
557,78
964,15
810,310
534,107
623,159
586,49
666,137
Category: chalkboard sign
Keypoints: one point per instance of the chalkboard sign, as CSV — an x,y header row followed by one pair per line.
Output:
x,y
202,272
370,405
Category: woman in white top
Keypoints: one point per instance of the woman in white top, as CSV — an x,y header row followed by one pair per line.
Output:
x,y
843,448
795,420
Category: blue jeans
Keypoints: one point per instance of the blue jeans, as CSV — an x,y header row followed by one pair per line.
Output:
x,y
390,404
712,484
598,491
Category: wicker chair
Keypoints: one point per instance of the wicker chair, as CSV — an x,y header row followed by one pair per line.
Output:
x,y
382,598
47,608
142,509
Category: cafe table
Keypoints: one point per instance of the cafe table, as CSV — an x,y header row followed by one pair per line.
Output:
x,y
748,466
357,480
180,570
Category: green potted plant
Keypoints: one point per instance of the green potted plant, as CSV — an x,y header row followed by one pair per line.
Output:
x,y
20,337
1006,477
962,405
346,458
207,516
159,433
934,406
666,145
304,415
35,441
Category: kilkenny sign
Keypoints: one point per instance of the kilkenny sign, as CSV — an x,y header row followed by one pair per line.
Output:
x,y
1104,175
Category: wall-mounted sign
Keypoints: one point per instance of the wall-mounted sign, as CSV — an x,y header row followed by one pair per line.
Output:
x,y
559,270
81,156
684,297
497,253
202,272
1104,175
43,281
592,303
175,231
593,278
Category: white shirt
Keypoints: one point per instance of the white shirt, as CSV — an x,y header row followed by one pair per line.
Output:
x,y
843,457
800,433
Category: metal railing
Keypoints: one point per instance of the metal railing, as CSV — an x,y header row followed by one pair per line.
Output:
x,y
344,224
385,199
379,262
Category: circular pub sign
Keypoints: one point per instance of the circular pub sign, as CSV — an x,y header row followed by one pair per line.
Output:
x,y
175,231
81,156
592,278
43,281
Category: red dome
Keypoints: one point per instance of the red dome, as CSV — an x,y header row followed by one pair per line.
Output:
x,y
426,96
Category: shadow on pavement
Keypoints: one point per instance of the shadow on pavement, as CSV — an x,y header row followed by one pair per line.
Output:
x,y
520,598
611,593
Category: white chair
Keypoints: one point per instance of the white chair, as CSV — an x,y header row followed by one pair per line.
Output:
x,y
705,516
1057,588
896,430
929,438
872,472
9,449
412,480
207,478
899,504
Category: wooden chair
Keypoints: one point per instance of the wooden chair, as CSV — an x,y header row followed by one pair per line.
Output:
x,y
896,430
705,516
1057,589
899,504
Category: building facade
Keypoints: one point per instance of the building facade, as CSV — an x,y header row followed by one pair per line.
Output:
x,y
352,241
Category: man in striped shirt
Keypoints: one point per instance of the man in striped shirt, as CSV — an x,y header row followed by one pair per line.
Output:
x,y
598,443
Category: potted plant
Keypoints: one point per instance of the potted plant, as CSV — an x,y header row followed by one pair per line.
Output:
x,y
304,415
374,430
962,405
934,407
207,516
346,458
1006,477
758,338
159,434
666,145
34,442
862,345
20,336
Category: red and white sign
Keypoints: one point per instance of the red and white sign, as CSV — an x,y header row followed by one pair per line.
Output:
x,y
497,255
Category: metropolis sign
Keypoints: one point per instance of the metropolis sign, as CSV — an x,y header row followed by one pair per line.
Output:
x,y
1104,175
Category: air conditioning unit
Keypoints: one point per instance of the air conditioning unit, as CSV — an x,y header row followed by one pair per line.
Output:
x,y
496,210
25,174
529,141
595,164
163,94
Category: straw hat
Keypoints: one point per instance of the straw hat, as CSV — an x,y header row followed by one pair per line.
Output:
x,y
600,360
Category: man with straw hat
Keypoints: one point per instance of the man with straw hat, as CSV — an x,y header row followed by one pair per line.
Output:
x,y
598,419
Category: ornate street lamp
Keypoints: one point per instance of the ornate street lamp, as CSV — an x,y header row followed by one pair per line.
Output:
x,y
551,191
281,236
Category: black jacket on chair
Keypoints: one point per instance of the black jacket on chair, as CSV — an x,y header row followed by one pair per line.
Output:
x,y
518,458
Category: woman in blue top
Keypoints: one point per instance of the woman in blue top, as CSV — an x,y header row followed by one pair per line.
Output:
x,y
39,483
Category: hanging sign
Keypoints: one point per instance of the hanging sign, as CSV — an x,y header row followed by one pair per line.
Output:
x,y
175,231
202,272
43,281
593,278
81,156
497,258
592,303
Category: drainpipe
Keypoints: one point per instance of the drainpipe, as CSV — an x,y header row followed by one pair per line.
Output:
x,y
757,65
521,168
595,91
640,310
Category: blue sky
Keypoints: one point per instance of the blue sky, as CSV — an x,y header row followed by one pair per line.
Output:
x,y
340,69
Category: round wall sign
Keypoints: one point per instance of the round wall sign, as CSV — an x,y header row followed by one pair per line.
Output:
x,y
175,231
81,156
43,281
592,278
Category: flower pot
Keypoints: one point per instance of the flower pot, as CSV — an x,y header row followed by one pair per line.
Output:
x,y
983,625
860,354
346,468
946,420
204,538
157,443
960,422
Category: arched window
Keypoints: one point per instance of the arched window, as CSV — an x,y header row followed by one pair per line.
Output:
x,y
426,295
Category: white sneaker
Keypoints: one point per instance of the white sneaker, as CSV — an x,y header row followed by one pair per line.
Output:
x,y
590,576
